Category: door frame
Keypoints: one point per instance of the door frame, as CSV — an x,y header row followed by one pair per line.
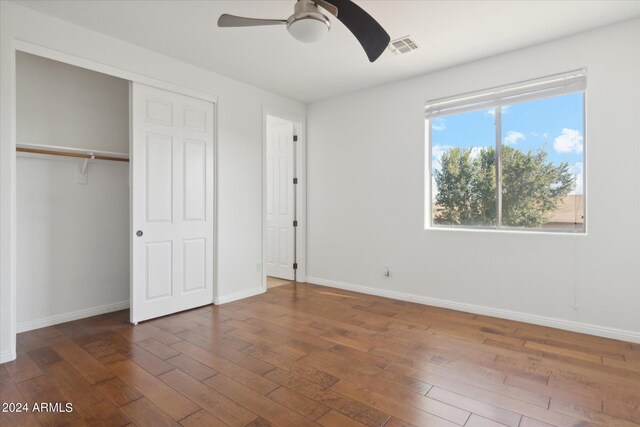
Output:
x,y
8,259
300,169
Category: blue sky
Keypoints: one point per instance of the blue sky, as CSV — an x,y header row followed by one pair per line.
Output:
x,y
555,124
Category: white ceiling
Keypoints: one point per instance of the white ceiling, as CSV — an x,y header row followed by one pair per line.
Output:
x,y
447,33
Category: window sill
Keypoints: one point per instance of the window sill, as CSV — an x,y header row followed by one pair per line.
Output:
x,y
507,231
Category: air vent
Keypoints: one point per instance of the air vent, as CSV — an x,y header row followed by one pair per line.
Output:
x,y
402,45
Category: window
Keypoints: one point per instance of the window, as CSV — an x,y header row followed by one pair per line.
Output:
x,y
510,157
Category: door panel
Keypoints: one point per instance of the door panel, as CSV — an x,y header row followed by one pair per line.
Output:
x,y
158,277
195,180
172,202
159,179
280,199
195,264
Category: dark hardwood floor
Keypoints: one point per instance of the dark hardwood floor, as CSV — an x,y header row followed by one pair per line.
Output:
x,y
303,355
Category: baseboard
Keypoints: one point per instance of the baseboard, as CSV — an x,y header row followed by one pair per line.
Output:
x,y
584,328
74,315
239,295
7,356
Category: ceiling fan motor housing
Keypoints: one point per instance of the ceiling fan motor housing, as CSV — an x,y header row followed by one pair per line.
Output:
x,y
308,24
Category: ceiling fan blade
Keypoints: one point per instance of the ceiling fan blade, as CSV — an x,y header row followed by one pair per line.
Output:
x,y
327,6
373,38
240,21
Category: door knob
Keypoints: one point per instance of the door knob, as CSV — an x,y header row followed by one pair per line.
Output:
x,y
139,233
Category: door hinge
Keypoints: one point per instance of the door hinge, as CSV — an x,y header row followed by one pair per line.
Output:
x,y
295,180
295,138
295,222
295,265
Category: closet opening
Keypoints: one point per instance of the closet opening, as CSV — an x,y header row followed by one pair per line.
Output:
x,y
72,190
115,195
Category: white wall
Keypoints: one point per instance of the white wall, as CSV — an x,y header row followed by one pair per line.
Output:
x,y
59,104
73,239
239,136
366,197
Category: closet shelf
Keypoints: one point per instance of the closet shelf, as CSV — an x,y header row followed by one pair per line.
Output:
x,y
52,150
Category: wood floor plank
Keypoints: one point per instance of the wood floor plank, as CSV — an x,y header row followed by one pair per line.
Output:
x,y
118,392
336,419
222,365
213,401
88,401
259,422
563,351
159,349
395,408
478,421
579,397
627,409
202,418
192,367
40,390
28,341
485,410
149,361
86,364
237,324
329,361
295,367
9,393
361,356
163,396
352,408
303,354
588,415
267,408
145,414
298,402
23,368
530,422
460,384
218,347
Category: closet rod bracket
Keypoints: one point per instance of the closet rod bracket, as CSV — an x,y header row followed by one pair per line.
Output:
x,y
82,176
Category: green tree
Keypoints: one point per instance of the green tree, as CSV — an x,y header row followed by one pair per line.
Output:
x,y
531,187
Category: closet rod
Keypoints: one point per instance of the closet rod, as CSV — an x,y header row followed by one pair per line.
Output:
x,y
67,154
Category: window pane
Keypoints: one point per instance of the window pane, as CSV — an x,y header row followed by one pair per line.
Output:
x,y
463,183
542,161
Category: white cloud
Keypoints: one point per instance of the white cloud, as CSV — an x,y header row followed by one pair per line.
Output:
x,y
570,141
475,152
438,150
578,170
438,125
513,137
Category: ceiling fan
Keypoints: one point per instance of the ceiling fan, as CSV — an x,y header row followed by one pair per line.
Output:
x,y
308,24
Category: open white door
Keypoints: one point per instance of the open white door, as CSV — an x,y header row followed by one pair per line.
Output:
x,y
280,198
172,202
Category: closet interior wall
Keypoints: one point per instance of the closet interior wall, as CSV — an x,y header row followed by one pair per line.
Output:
x,y
73,237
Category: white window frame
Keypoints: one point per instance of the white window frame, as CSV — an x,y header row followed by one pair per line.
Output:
x,y
496,98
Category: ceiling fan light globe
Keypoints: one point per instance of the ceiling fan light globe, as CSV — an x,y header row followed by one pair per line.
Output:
x,y
309,29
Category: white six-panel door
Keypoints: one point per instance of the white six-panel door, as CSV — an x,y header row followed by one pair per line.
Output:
x,y
172,202
280,198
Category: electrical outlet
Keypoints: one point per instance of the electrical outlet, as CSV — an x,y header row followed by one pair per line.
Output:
x,y
386,272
